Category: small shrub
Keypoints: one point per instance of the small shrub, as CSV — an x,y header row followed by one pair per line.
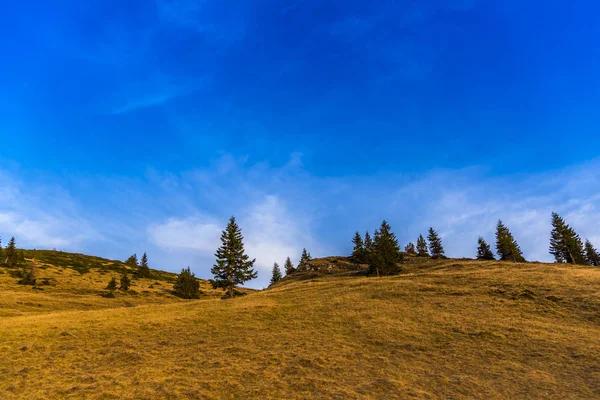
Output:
x,y
28,275
125,282
112,285
187,286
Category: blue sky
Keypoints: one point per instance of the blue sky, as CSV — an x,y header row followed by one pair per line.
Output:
x,y
142,126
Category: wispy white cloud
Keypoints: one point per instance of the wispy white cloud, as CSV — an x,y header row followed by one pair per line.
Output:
x,y
41,217
195,233
151,100
178,218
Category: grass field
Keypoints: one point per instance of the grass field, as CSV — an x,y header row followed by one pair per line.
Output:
x,y
443,329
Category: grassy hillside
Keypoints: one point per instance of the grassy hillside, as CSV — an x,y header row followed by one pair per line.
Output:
x,y
442,329
69,281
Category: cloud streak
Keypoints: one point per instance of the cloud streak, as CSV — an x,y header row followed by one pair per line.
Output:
x,y
178,218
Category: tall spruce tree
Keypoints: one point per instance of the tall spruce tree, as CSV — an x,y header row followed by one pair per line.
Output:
x,y
565,243
304,262
358,253
288,266
591,254
233,266
484,251
410,248
276,274
386,252
10,254
144,270
186,285
435,244
507,247
422,247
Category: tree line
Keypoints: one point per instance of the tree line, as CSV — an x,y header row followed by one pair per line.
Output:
x,y
383,255
381,252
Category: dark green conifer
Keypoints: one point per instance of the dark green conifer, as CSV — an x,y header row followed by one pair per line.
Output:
x,y
304,263
435,244
386,252
186,285
289,267
591,254
144,270
112,285
276,274
10,254
565,243
422,247
410,248
507,247
233,267
368,246
484,251
358,253
132,261
125,282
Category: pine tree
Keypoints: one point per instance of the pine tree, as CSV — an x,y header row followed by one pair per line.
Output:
x,y
186,285
125,282
507,247
386,252
565,243
112,285
422,247
410,248
358,254
304,262
368,246
484,251
10,254
276,275
289,267
435,244
591,254
144,270
233,267
132,261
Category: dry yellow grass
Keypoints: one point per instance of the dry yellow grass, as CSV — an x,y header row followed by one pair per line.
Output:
x,y
443,329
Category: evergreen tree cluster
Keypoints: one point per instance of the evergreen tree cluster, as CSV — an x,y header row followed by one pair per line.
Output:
x,y
422,247
565,244
187,286
507,247
382,253
304,263
484,251
433,249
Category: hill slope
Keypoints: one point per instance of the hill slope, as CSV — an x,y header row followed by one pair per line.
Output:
x,y
443,329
